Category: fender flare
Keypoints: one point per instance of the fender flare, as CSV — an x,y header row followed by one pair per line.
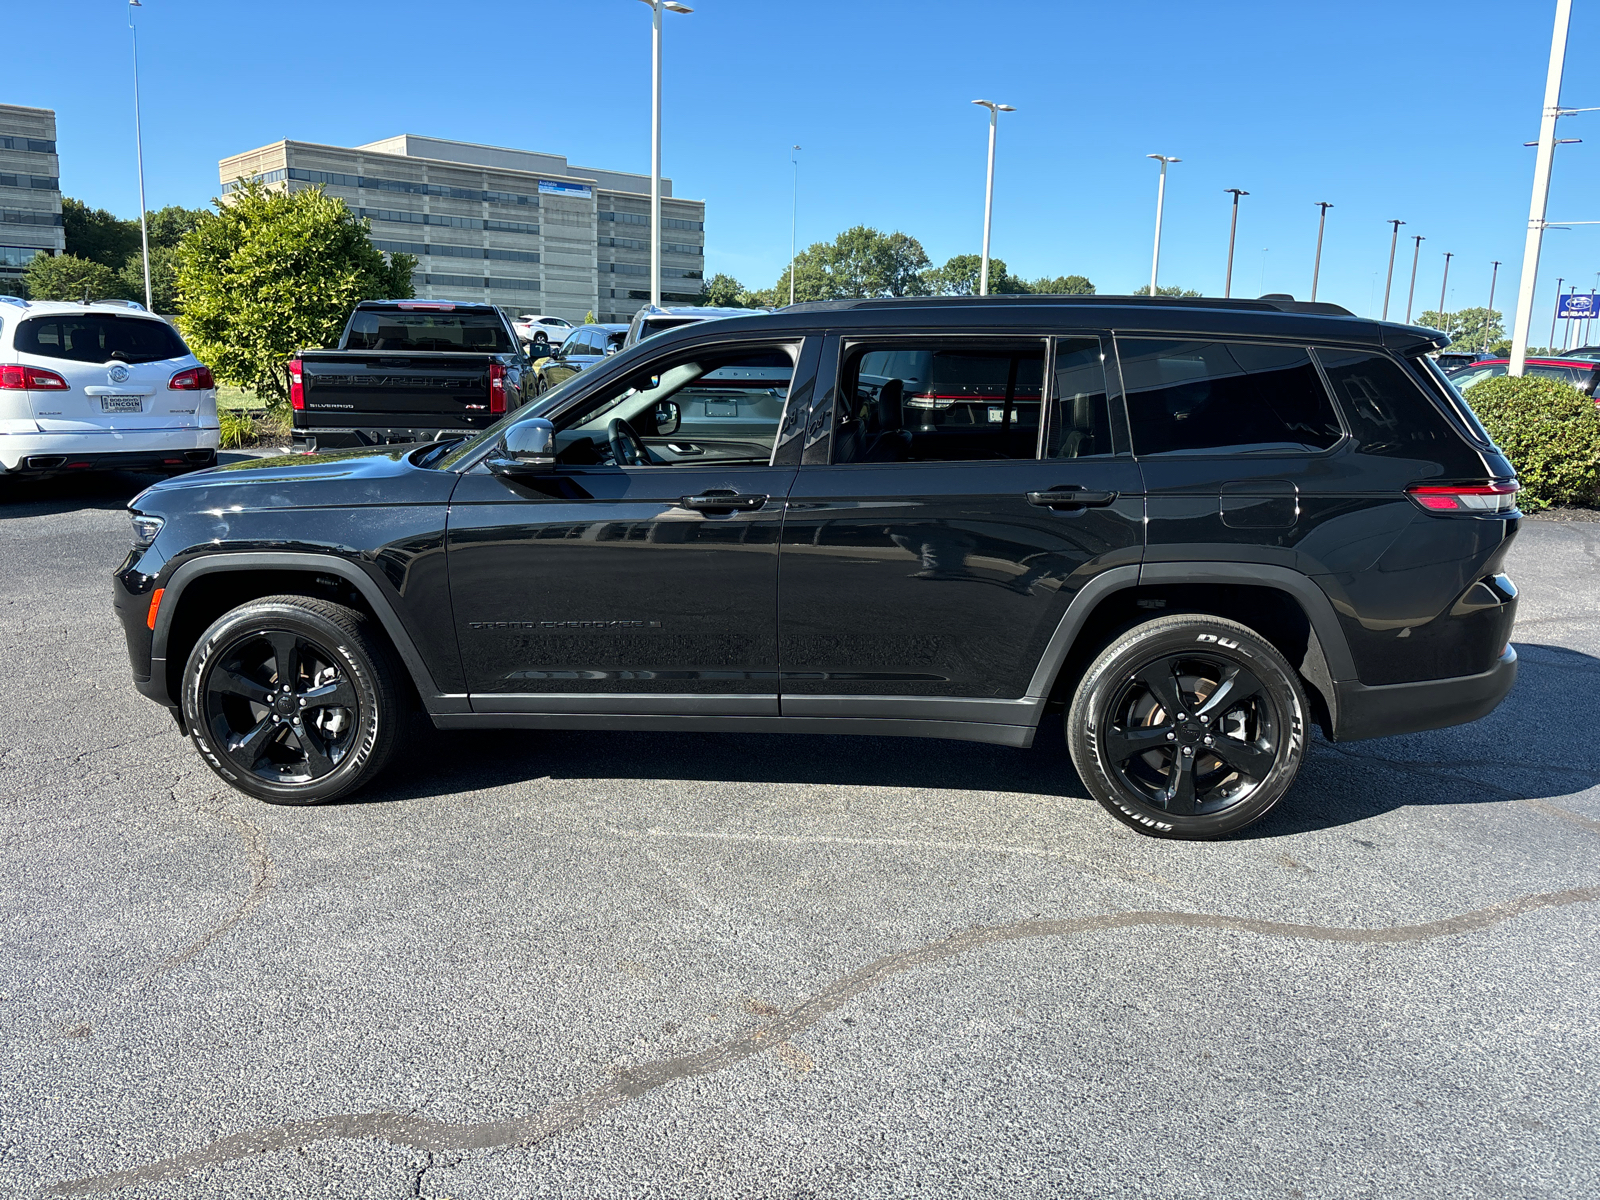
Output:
x,y
323,564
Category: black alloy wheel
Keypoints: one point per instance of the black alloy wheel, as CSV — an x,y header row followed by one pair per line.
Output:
x,y
1188,727
292,699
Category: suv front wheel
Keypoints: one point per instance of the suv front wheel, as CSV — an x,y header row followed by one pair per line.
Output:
x,y
1188,726
293,699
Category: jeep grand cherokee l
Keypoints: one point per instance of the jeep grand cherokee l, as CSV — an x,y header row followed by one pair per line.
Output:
x,y
1188,528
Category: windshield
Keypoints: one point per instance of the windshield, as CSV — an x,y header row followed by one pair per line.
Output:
x,y
100,337
398,330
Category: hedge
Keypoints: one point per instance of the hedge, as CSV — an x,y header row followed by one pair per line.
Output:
x,y
1551,433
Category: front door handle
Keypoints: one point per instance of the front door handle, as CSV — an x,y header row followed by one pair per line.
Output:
x,y
1071,498
718,500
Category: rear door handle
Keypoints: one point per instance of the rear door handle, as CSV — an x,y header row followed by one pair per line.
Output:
x,y
724,501
1071,498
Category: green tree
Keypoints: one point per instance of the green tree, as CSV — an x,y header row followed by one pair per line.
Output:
x,y
163,279
723,291
168,225
97,235
1551,433
69,277
860,263
1063,285
1184,293
1467,327
273,271
961,274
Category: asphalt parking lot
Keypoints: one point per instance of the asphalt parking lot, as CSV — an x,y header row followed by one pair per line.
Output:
x,y
587,964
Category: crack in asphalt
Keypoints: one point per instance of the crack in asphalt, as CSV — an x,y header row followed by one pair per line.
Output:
x,y
630,1083
263,878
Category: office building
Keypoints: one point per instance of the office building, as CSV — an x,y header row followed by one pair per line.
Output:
x,y
30,192
516,228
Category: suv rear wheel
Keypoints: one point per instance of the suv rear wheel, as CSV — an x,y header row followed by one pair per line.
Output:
x,y
292,699
1188,726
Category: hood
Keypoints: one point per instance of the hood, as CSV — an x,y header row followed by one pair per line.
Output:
x,y
377,475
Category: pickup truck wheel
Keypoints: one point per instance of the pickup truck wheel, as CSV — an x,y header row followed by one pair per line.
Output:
x,y
1188,726
293,700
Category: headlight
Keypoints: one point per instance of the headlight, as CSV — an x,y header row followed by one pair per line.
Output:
x,y
145,529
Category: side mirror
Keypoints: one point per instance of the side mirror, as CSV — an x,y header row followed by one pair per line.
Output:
x,y
668,416
528,448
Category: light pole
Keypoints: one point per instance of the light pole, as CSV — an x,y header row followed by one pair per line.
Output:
x,y
794,211
1389,282
1566,334
655,139
1161,199
1416,254
1316,269
988,193
1541,190
138,143
1488,313
1448,255
1233,228
1553,312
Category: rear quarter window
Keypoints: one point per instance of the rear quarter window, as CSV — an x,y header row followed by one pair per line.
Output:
x,y
1387,410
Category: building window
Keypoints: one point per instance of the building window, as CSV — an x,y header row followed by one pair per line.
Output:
x,y
478,281
36,145
266,177
377,183
11,216
48,183
17,256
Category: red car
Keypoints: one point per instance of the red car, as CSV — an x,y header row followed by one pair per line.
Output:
x,y
1583,374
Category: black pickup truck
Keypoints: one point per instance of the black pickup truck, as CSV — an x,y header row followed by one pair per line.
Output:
x,y
407,371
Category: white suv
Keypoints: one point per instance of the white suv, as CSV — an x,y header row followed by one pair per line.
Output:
x,y
542,334
104,386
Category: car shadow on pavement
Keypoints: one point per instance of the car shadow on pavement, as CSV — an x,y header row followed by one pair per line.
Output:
x,y
1339,784
55,494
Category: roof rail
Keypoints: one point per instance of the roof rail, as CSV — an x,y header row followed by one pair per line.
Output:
x,y
1271,303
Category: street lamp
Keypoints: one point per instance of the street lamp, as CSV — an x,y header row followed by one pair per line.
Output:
x,y
655,139
1316,269
1233,228
1416,254
1389,282
138,144
794,210
1554,312
1488,313
988,195
1448,255
1161,199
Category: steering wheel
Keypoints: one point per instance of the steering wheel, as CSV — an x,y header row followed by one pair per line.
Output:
x,y
627,447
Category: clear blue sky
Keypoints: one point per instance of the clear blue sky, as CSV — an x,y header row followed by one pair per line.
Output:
x,y
1390,109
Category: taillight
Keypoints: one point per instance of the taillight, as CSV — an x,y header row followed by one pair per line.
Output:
x,y
37,379
497,388
1466,497
195,379
297,390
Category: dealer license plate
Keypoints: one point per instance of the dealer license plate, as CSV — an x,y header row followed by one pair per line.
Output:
x,y
121,404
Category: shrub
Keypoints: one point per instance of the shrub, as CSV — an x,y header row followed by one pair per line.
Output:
x,y
1551,433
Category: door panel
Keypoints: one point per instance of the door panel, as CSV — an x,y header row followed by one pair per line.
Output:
x,y
603,581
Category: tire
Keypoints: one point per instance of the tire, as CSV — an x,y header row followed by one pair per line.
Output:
x,y
262,736
1235,753
541,341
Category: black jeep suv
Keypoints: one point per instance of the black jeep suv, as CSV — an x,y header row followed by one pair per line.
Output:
x,y
1193,526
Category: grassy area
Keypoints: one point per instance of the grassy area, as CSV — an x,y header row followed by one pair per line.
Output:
x,y
232,397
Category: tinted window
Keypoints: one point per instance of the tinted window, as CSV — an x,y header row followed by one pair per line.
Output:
x,y
1386,411
423,330
1468,376
1235,397
98,338
1082,426
1576,376
940,402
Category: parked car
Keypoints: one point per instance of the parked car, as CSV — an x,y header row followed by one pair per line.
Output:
x,y
1580,373
1586,353
541,334
1230,520
583,347
103,386
407,371
651,320
1451,360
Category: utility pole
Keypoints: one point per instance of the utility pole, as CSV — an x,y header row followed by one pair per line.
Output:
x,y
1448,255
1389,282
1541,190
1415,255
1233,229
1316,269
1553,312
1488,313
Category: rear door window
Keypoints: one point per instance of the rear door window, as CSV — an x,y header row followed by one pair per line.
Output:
x,y
1388,413
1210,397
99,338
940,401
